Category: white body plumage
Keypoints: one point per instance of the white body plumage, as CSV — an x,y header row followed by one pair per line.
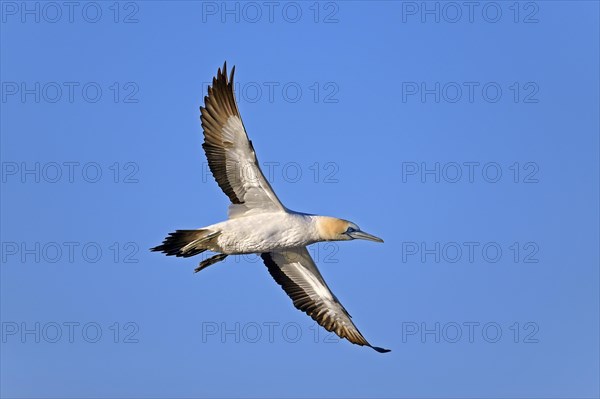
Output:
x,y
264,232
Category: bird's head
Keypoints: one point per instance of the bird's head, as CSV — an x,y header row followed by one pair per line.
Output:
x,y
334,229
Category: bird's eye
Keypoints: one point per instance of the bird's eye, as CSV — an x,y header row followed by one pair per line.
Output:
x,y
350,230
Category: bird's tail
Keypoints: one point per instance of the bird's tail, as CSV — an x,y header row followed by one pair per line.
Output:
x,y
186,243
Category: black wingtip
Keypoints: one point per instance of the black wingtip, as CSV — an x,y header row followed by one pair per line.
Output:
x,y
381,350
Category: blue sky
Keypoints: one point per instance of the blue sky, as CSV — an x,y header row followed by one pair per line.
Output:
x,y
467,138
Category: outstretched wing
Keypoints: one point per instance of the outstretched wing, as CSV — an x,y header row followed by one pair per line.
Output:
x,y
230,153
298,275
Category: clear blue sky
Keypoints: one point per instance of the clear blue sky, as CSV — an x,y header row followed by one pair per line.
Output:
x,y
466,137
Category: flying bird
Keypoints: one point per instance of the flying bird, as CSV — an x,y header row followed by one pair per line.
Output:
x,y
259,223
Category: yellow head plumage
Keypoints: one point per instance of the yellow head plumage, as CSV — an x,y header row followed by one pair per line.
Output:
x,y
331,229
334,229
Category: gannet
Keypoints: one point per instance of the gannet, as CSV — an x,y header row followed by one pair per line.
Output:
x,y
258,223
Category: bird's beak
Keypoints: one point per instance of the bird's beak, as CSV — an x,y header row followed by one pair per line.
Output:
x,y
361,235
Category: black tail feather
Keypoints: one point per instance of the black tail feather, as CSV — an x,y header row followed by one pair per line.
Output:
x,y
173,244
